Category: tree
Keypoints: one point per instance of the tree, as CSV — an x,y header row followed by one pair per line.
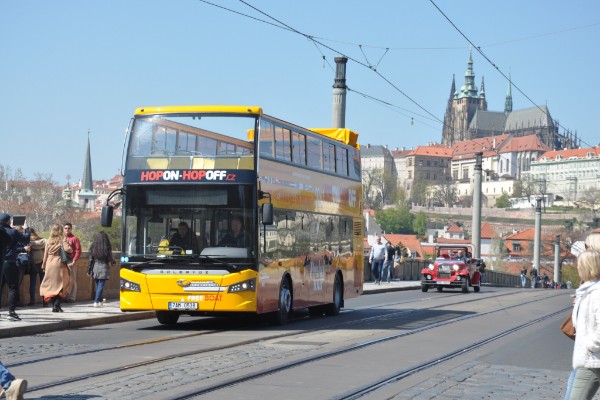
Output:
x,y
419,192
420,224
445,194
371,181
503,201
590,198
395,220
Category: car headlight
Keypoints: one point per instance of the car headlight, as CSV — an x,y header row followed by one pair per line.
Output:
x,y
430,267
428,277
250,284
455,267
457,278
124,284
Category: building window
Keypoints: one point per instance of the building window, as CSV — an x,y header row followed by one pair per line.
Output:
x,y
516,246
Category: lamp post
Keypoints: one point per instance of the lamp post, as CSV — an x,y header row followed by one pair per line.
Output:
x,y
557,277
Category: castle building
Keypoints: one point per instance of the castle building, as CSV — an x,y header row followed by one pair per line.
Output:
x,y
467,117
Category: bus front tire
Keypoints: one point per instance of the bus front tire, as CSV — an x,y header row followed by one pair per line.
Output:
x,y
285,302
167,317
338,297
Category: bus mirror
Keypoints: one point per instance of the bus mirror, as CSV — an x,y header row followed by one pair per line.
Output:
x,y
267,214
107,216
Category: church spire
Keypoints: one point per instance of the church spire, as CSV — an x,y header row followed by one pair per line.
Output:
x,y
87,169
469,89
453,87
508,102
482,91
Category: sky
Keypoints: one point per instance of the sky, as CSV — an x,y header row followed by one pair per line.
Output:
x,y
69,67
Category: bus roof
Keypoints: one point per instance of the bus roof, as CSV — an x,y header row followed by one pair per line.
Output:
x,y
250,110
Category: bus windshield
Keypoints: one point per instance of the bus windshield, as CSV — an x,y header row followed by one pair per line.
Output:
x,y
179,220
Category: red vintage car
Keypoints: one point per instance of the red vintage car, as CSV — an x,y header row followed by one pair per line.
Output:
x,y
453,268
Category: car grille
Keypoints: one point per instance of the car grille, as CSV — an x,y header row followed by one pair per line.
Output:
x,y
444,275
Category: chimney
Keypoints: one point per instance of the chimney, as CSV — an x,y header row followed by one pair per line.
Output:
x,y
339,93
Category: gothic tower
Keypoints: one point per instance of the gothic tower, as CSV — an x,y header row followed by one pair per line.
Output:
x,y
462,106
86,195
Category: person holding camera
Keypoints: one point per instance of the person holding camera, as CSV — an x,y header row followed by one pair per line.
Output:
x,y
11,238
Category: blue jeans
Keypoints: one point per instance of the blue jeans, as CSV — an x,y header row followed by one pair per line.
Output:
x,y
5,377
387,271
376,269
523,280
583,383
99,289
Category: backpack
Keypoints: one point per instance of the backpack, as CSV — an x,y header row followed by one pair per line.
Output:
x,y
24,263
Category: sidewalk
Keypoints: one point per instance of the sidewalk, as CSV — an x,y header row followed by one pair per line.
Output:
x,y
38,319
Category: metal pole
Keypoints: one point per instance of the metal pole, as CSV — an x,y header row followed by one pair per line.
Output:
x,y
476,221
538,234
557,277
339,93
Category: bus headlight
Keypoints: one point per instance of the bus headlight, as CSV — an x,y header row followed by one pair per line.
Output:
x,y
250,284
128,285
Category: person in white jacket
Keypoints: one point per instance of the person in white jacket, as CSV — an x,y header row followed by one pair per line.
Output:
x,y
586,319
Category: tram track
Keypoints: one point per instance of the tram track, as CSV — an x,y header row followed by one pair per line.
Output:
x,y
287,365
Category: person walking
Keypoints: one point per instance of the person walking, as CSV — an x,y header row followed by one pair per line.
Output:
x,y
388,263
57,282
73,257
376,258
11,239
585,379
101,259
534,277
523,277
38,245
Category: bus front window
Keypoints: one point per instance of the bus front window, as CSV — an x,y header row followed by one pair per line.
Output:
x,y
187,220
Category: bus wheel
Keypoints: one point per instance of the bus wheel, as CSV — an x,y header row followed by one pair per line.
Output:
x,y
338,297
167,317
285,302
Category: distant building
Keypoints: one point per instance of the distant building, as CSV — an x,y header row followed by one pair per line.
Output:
x,y
568,173
467,117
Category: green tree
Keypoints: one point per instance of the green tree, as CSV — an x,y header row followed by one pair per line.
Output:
x,y
419,192
395,220
503,201
420,224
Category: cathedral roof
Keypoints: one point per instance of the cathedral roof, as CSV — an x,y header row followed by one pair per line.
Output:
x,y
528,118
488,121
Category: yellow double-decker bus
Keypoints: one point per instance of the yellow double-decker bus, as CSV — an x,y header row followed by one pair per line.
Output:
x,y
229,210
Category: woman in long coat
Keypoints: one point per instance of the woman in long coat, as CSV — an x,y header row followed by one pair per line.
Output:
x,y
57,283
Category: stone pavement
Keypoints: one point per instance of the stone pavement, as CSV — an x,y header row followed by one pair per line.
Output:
x,y
38,319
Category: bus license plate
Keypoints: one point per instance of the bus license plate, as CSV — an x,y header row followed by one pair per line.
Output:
x,y
182,306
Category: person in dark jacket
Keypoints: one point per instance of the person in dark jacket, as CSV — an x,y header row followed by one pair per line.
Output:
x,y
11,239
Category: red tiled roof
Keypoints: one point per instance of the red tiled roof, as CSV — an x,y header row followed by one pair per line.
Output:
x,y
524,143
435,150
487,231
455,228
452,241
580,153
467,148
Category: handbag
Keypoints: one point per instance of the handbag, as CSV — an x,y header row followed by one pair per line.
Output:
x,y
63,255
567,327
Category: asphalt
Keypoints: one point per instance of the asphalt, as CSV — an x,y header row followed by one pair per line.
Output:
x,y
37,319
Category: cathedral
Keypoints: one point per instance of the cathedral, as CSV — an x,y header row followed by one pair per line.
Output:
x,y
467,117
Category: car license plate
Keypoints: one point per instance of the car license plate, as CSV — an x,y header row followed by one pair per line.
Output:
x,y
443,282
182,306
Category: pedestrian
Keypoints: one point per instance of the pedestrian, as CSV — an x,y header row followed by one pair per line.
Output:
x,y
13,388
38,244
592,242
73,257
11,239
585,378
57,281
23,261
376,258
101,259
523,276
388,263
534,277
